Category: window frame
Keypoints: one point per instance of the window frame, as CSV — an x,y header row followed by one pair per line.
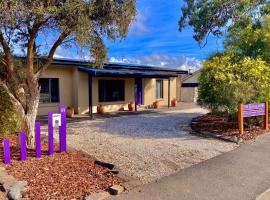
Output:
x,y
161,89
104,101
50,91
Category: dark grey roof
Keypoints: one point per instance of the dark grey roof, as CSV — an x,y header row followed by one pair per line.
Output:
x,y
127,73
120,69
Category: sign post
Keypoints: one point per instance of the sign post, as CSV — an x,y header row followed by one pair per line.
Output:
x,y
6,151
38,141
266,118
50,133
252,110
63,130
23,146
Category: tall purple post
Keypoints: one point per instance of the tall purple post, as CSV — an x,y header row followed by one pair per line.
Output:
x,y
63,130
50,133
6,151
38,141
23,146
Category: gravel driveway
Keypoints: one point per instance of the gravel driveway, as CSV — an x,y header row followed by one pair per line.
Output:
x,y
146,146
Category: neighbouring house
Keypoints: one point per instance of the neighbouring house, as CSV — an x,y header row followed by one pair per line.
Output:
x,y
76,84
189,87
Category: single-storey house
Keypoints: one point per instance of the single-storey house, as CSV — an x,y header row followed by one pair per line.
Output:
x,y
189,87
76,84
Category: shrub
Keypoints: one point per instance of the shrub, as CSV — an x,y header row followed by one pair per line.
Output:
x,y
9,121
227,80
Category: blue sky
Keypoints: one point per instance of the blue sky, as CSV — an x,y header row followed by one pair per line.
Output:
x,y
154,38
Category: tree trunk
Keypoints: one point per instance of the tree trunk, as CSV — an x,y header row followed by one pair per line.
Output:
x,y
28,124
29,118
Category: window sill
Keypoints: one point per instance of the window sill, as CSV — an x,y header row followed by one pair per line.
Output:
x,y
48,104
162,99
112,102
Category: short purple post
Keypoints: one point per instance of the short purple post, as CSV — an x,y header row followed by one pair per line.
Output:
x,y
50,133
23,146
63,130
6,151
38,141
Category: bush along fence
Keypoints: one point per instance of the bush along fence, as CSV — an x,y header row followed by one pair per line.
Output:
x,y
54,120
252,110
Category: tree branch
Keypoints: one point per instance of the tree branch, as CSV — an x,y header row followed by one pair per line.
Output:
x,y
8,55
56,44
16,103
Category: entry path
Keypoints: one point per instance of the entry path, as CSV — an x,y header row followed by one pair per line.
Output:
x,y
242,174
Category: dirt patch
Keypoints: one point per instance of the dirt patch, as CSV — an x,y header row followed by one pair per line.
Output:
x,y
222,126
62,176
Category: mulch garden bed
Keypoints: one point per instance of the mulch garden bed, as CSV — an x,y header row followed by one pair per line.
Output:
x,y
62,176
220,125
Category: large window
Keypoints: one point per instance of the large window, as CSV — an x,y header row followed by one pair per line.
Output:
x,y
49,92
111,90
159,89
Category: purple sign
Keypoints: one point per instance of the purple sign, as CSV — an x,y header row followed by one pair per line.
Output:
x,y
252,110
254,107
6,151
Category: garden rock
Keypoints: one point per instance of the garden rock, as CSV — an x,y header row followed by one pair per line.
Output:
x,y
116,189
16,190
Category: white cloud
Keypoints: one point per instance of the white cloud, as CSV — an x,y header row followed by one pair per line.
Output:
x,y
163,60
139,25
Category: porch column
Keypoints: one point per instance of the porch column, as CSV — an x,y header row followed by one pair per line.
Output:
x,y
135,95
169,92
90,91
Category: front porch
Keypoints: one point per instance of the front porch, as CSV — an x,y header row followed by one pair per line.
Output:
x,y
115,89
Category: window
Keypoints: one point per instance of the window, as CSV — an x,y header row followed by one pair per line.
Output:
x,y
49,92
111,90
159,89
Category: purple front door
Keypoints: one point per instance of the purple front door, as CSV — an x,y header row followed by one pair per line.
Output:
x,y
138,83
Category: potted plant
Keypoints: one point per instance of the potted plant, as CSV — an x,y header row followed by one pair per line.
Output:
x,y
131,106
156,104
70,112
100,109
174,102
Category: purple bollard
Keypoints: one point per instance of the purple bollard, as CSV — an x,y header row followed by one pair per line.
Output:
x,y
6,151
50,133
63,130
38,141
23,146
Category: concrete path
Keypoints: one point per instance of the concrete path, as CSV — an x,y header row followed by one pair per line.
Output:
x,y
242,174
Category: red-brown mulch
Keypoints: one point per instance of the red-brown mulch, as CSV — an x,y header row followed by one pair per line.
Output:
x,y
222,126
63,176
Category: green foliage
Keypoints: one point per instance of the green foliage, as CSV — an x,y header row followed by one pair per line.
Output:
x,y
10,123
215,16
85,23
250,39
227,80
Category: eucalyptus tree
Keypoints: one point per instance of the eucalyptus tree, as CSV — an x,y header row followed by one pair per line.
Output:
x,y
217,16
25,23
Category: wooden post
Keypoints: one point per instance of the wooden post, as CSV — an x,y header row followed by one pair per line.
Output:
x,y
38,141
135,96
240,119
6,151
266,118
23,146
50,133
90,95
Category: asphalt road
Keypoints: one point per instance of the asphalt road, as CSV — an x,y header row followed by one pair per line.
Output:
x,y
242,174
